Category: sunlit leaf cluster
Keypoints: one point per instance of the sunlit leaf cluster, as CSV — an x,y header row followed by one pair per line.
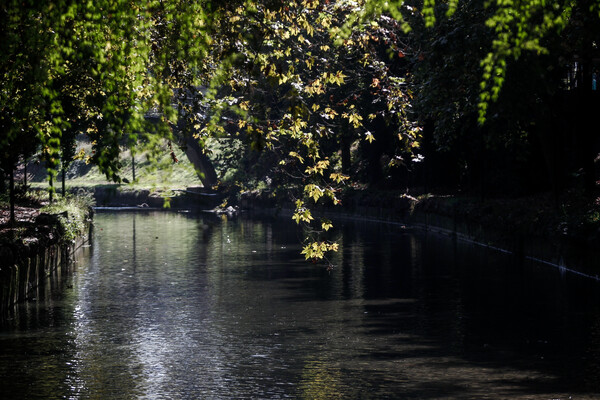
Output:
x,y
291,82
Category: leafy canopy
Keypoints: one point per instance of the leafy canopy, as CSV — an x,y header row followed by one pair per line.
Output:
x,y
301,79
290,81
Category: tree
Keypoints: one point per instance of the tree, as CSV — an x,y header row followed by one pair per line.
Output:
x,y
290,83
491,85
325,88
23,38
96,65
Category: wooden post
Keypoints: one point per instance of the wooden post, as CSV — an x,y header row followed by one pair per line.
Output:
x,y
51,191
133,165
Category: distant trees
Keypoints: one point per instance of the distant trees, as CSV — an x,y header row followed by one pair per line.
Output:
x,y
459,150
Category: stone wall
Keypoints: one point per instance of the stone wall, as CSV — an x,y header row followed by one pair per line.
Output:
x,y
507,229
26,263
190,198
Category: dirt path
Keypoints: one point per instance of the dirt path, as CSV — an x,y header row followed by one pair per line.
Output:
x,y
22,215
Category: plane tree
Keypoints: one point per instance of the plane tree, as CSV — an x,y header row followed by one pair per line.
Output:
x,y
292,84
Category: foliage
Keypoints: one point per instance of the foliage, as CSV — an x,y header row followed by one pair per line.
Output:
x,y
301,90
518,27
296,88
93,67
73,213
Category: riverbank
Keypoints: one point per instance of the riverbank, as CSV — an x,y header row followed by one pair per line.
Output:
x,y
563,232
127,196
41,242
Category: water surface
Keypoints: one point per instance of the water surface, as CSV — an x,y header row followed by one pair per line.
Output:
x,y
183,306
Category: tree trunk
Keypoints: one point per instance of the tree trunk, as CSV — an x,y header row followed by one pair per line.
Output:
x,y
588,143
51,190
2,180
586,133
64,174
25,174
345,143
12,196
204,168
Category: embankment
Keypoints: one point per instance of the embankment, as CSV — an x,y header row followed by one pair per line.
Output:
x,y
532,228
124,196
31,253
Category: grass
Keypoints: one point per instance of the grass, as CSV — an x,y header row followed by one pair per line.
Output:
x,y
161,174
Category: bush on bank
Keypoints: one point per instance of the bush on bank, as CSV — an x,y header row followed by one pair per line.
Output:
x,y
72,213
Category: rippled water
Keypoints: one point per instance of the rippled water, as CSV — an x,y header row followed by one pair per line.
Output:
x,y
182,306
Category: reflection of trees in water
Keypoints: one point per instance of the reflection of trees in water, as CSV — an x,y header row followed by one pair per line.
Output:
x,y
592,359
128,305
33,357
133,245
347,277
372,256
320,380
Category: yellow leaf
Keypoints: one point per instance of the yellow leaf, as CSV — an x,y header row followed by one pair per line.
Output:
x,y
310,62
338,177
313,191
296,217
330,113
294,154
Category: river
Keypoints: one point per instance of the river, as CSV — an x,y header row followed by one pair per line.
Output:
x,y
167,305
